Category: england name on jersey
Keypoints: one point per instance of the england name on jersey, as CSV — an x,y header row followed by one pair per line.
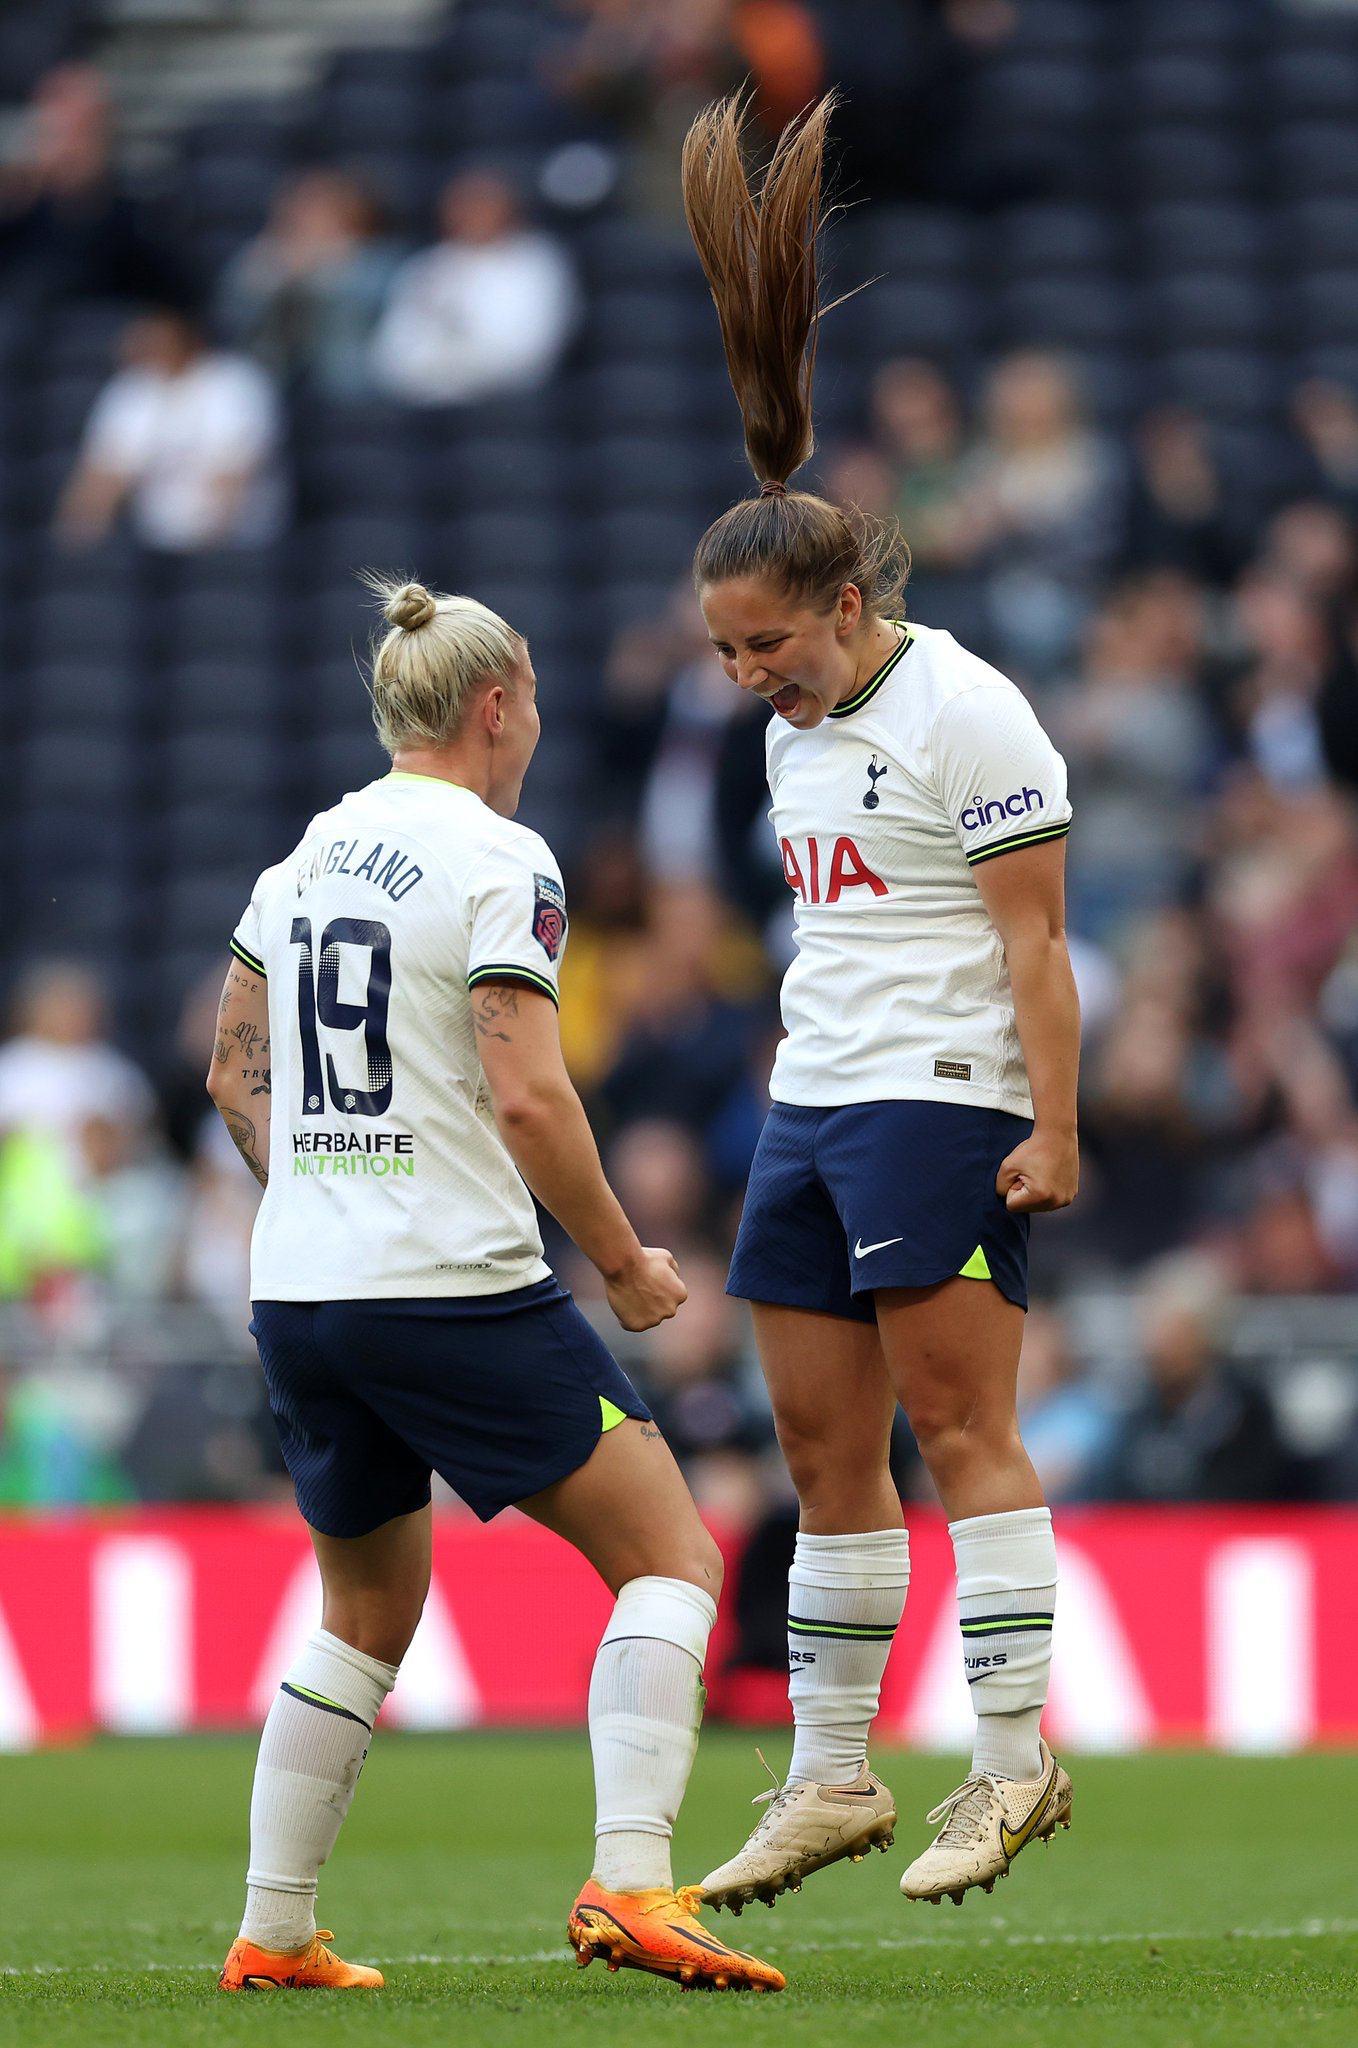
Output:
x,y
387,1175
899,989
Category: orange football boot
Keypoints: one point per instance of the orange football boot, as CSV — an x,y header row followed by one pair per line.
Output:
x,y
660,1931
313,1968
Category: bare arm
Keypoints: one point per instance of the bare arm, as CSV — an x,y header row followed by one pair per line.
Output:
x,y
90,503
1024,894
543,1123
239,1079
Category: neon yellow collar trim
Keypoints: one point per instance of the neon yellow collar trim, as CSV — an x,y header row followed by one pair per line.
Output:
x,y
874,683
404,775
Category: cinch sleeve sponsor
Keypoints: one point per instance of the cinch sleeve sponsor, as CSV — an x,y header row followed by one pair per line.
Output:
x,y
1000,777
517,904
247,945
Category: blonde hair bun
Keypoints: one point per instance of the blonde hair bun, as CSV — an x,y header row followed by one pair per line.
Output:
x,y
434,652
410,607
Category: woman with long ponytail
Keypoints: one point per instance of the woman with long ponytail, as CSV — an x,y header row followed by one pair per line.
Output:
x,y
923,1097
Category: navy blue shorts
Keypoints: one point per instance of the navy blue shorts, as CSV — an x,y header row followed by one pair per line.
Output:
x,y
501,1394
878,1194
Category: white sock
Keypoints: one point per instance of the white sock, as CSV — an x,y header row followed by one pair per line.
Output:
x,y
1006,1594
846,1595
646,1700
314,1745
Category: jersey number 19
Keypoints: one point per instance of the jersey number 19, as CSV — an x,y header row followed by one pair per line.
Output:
x,y
318,1001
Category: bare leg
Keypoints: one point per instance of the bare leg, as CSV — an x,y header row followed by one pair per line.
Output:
x,y
952,1352
629,1512
833,1404
374,1586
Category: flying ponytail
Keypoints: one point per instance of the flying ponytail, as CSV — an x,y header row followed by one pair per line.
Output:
x,y
758,251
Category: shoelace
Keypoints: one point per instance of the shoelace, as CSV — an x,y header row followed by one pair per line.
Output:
x,y
773,1798
688,1898
964,1811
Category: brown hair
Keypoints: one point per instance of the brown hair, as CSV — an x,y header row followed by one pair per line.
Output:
x,y
759,254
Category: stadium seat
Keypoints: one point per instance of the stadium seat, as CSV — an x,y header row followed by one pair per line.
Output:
x,y
647,469
241,623
1319,234
342,545
1307,85
82,340
1208,311
203,835
485,44
341,476
898,241
1057,92
81,696
1315,160
652,323
522,543
200,908
371,111
495,474
1090,312
1338,365
1326,303
98,768
1168,162
399,69
900,316
60,837
632,254
1186,235
634,544
223,763
1213,27
75,624
1190,87
482,114
343,759
197,689
1220,383
1041,240
59,411
1059,28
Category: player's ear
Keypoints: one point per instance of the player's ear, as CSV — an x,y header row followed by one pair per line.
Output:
x,y
493,710
849,609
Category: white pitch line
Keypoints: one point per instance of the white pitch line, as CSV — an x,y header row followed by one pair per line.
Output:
x,y
1305,1930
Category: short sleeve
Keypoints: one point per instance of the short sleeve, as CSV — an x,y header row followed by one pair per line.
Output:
x,y
239,422
247,940
999,776
116,437
517,904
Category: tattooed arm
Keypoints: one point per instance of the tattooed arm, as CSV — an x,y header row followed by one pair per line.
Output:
x,y
544,1126
239,1078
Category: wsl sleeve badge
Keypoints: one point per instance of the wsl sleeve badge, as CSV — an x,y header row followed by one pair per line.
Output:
x,y
549,915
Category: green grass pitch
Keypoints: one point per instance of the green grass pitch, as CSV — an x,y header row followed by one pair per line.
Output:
x,y
1197,1900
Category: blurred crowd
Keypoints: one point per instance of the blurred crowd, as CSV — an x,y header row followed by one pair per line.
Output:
x,y
1192,649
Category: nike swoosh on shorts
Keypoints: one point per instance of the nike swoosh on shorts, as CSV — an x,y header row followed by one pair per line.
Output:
x,y
861,1250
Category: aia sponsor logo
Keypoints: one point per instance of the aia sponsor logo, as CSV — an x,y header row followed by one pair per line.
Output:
x,y
842,868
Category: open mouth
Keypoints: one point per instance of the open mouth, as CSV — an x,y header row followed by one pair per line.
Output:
x,y
787,699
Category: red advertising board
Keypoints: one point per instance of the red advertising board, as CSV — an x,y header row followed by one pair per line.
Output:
x,y
1177,1625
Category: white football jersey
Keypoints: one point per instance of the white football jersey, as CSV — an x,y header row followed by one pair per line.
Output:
x,y
899,989
387,1175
